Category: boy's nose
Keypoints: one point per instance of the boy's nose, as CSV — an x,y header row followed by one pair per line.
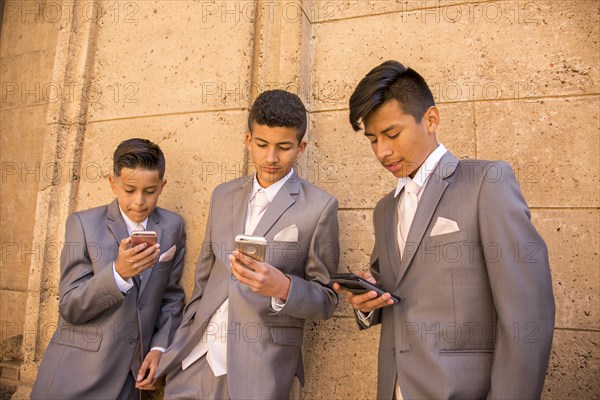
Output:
x,y
382,150
139,199
272,156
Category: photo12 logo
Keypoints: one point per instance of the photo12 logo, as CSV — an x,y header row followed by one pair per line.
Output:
x,y
52,12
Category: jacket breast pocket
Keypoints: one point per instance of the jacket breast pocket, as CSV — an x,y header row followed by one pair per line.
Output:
x,y
84,338
286,335
453,238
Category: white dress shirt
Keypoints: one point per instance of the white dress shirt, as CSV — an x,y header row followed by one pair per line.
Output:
x,y
214,339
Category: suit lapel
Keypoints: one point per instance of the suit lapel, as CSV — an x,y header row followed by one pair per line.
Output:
x,y
391,232
153,225
282,201
436,185
116,224
240,208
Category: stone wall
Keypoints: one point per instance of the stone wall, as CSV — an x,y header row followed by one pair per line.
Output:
x,y
514,80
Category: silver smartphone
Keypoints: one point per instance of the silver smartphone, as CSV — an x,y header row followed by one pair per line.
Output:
x,y
252,246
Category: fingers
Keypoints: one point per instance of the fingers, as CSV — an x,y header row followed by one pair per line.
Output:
x,y
366,275
149,366
369,301
241,273
143,369
125,243
248,261
337,288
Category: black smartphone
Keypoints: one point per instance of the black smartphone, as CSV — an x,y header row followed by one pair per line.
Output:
x,y
357,285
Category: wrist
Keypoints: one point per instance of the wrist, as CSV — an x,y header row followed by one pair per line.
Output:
x,y
285,290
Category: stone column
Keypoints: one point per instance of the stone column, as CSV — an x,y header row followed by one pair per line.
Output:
x,y
56,196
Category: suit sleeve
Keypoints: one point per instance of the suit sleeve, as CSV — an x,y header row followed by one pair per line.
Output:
x,y
308,297
204,266
375,316
83,295
519,273
170,314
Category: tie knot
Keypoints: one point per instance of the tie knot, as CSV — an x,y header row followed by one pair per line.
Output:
x,y
261,200
138,228
412,187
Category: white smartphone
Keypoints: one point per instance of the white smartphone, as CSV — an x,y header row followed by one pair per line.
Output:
x,y
252,246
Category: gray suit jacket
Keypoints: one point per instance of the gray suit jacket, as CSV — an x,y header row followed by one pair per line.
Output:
x,y
478,313
263,347
102,335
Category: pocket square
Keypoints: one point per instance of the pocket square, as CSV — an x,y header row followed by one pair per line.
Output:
x,y
289,234
443,226
167,255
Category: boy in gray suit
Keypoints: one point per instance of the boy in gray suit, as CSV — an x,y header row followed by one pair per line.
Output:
x,y
119,305
241,336
454,240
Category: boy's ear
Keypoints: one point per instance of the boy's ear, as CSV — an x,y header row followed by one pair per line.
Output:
x,y
163,183
248,140
301,148
113,182
432,119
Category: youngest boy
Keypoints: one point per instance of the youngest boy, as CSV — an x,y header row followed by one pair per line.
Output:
x,y
119,305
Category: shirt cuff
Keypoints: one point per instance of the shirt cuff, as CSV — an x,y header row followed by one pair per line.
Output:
x,y
366,319
277,304
124,285
162,350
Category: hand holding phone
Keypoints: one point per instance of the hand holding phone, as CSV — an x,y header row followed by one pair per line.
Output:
x,y
357,285
132,261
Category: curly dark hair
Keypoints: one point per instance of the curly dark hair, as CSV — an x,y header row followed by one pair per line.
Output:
x,y
279,108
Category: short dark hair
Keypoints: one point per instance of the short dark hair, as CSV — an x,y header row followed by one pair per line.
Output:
x,y
139,153
390,81
279,108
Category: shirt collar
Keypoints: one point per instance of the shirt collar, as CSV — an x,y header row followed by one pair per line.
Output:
x,y
272,190
424,170
130,224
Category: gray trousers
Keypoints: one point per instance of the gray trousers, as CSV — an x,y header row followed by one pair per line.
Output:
x,y
196,382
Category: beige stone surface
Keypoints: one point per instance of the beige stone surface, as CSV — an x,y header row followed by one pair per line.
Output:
x,y
164,57
29,26
552,144
21,144
340,362
27,79
11,322
202,150
513,49
342,162
573,240
574,367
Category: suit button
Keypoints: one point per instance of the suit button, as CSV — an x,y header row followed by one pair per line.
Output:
x,y
394,351
141,307
132,341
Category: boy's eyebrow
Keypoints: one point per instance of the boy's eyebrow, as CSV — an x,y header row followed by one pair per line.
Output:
x,y
135,187
386,130
278,143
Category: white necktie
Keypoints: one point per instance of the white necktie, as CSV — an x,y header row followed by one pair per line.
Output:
x,y
261,202
408,208
138,228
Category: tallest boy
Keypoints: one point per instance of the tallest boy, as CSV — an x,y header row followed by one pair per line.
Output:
x,y
453,239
